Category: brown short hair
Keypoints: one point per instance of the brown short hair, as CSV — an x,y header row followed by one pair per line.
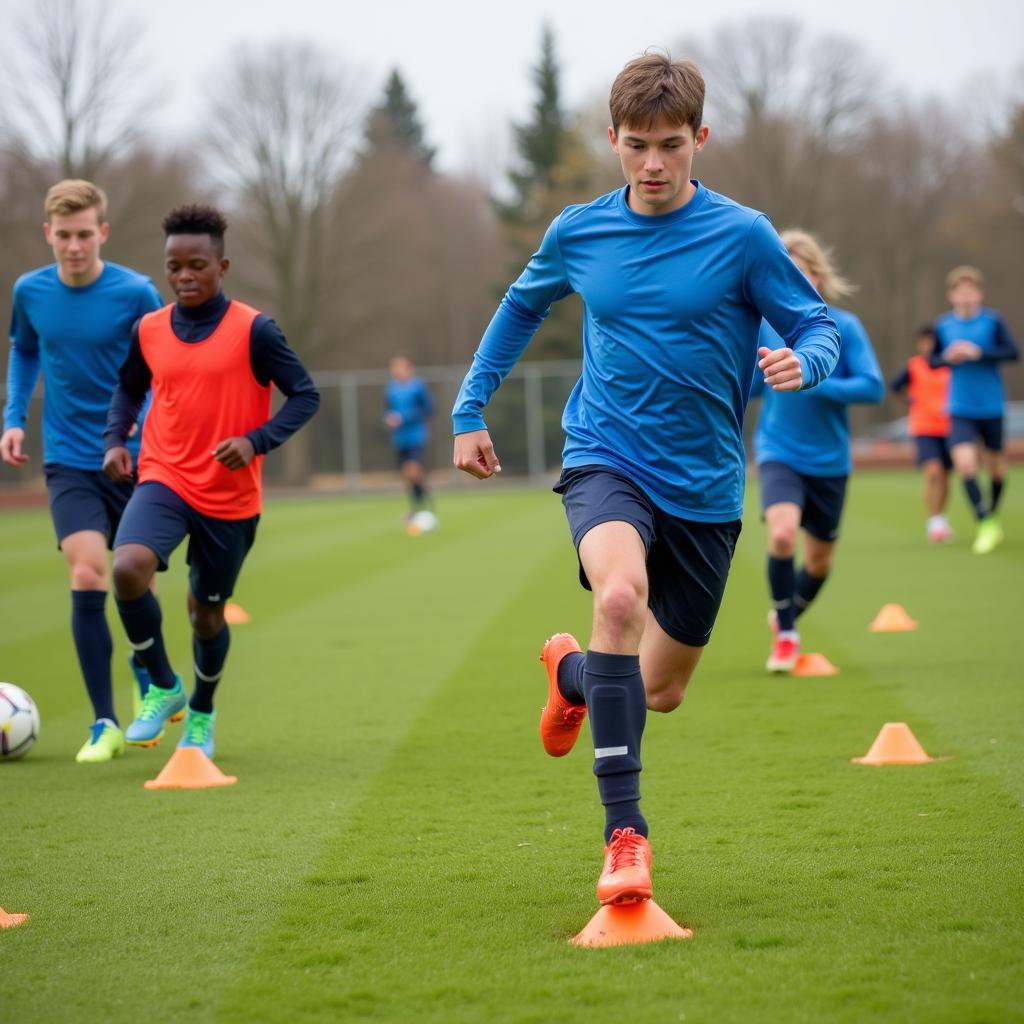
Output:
x,y
73,195
655,86
964,273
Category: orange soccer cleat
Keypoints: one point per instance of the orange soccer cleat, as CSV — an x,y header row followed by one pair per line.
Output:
x,y
560,721
626,876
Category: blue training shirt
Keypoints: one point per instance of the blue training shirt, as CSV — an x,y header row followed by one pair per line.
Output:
x,y
78,338
412,401
672,306
810,432
976,388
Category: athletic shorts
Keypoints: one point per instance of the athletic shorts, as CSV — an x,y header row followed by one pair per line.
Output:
x,y
821,498
158,519
413,453
931,447
687,562
967,430
85,499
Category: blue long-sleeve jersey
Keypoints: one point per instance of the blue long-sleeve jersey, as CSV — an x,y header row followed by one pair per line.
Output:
x,y
672,306
77,338
810,432
976,387
412,401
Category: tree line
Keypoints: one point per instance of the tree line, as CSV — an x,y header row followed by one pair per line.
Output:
x,y
344,230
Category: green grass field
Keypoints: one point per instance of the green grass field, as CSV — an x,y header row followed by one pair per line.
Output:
x,y
399,848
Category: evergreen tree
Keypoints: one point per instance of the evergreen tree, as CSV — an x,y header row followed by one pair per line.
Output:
x,y
395,122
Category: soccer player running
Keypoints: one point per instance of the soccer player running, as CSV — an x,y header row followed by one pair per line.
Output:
x,y
927,391
211,362
973,341
674,280
802,449
408,408
72,322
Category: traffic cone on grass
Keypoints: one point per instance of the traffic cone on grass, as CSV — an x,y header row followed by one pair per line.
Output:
x,y
895,744
11,920
892,618
626,924
190,768
235,614
814,665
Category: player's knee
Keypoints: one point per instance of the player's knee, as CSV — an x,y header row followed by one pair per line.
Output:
x,y
207,620
131,574
818,564
934,471
782,540
88,576
622,603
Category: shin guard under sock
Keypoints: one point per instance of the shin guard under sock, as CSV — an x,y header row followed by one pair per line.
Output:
x,y
617,706
782,584
94,648
997,493
142,620
807,587
210,656
974,496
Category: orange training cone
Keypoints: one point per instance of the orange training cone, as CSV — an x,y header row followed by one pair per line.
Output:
x,y
892,618
235,614
11,920
895,744
814,665
190,768
626,924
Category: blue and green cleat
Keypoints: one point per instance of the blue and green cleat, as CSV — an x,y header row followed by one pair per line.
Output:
x,y
106,741
158,706
141,681
198,731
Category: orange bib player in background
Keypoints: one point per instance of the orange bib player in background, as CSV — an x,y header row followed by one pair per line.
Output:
x,y
210,362
927,392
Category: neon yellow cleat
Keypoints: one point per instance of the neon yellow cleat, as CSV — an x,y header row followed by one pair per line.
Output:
x,y
104,744
990,536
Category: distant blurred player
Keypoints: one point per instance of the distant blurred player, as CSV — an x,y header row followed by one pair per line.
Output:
x,y
802,448
211,362
674,280
927,391
72,322
409,407
974,341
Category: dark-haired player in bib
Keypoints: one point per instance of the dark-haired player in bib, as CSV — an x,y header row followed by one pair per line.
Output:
x,y
210,362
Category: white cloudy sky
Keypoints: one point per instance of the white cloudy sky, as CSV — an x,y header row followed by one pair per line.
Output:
x,y
467,63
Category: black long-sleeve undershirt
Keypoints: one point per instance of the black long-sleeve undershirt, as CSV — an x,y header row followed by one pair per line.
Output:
x,y
272,361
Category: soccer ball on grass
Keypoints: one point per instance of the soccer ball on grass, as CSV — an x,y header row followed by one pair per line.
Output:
x,y
19,722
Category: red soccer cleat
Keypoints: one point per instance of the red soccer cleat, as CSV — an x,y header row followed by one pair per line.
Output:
x,y
785,652
626,876
560,721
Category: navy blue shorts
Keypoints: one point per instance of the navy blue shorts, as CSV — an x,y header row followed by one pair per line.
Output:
x,y
413,453
931,447
966,430
821,498
85,499
687,562
159,519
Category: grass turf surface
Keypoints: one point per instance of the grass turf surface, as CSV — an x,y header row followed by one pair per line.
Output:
x,y
398,846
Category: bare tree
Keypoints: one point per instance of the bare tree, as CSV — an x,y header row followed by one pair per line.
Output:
x,y
73,78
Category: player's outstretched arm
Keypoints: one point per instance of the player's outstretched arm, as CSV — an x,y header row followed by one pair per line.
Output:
x,y
117,464
474,454
10,447
781,368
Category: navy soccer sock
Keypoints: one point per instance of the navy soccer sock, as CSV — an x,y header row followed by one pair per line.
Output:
x,y
782,584
94,647
210,656
807,587
418,493
570,677
618,710
142,620
997,493
974,496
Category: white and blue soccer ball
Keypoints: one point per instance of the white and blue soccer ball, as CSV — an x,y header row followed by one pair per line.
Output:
x,y
19,722
424,521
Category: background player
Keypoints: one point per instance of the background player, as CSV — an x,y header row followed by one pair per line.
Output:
x,y
409,407
927,391
674,280
802,448
211,362
974,341
72,321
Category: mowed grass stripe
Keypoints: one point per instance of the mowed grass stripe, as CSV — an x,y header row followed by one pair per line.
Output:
x,y
819,889
312,706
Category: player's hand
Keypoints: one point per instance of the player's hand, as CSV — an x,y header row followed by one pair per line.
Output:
x,y
10,447
117,464
474,454
781,369
235,452
393,419
962,351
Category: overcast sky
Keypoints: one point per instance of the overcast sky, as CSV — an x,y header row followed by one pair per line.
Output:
x,y
467,64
